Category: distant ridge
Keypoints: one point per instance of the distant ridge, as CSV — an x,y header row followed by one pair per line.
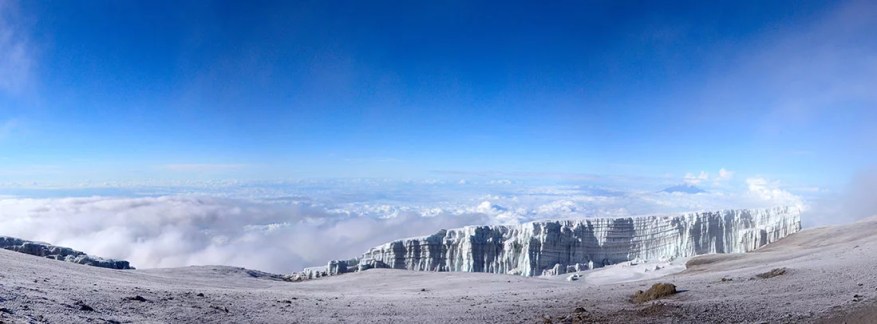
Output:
x,y
683,188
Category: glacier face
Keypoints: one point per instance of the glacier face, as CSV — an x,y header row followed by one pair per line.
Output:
x,y
556,247
59,253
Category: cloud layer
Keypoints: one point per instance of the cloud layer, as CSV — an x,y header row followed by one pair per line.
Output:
x,y
176,230
285,229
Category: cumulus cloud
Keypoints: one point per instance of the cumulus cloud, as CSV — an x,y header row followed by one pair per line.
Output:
x,y
772,191
16,54
724,175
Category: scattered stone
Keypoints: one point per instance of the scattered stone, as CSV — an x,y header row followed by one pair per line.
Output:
x,y
773,273
658,290
422,289
657,309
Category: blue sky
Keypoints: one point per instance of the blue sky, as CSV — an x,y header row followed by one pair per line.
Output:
x,y
137,91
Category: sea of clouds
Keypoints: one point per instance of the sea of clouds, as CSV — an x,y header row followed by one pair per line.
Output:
x,y
282,227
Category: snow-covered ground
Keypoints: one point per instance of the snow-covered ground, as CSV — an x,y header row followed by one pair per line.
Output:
x,y
625,272
829,277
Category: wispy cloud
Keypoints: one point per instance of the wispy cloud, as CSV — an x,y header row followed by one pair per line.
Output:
x,y
7,128
798,73
16,54
830,66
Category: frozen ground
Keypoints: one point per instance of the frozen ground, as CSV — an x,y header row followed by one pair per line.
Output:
x,y
830,277
625,272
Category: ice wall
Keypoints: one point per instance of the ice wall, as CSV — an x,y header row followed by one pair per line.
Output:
x,y
556,247
59,253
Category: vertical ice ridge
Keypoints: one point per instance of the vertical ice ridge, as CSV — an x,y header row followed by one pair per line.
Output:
x,y
554,247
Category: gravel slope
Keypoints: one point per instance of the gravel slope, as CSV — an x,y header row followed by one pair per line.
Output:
x,y
830,276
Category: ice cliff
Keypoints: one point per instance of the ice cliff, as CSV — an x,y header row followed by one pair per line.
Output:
x,y
556,247
59,253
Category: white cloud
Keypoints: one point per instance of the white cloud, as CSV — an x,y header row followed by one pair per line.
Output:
x,y
173,231
693,179
724,175
284,227
771,191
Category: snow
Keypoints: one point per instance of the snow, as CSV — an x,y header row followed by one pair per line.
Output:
x,y
625,272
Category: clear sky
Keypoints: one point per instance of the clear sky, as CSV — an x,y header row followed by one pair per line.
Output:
x,y
141,90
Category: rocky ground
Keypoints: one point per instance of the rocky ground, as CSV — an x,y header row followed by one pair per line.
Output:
x,y
826,275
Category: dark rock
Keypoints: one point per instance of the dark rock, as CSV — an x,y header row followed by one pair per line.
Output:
x,y
136,298
84,307
658,290
772,273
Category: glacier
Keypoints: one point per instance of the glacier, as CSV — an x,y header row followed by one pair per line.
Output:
x,y
560,246
60,253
